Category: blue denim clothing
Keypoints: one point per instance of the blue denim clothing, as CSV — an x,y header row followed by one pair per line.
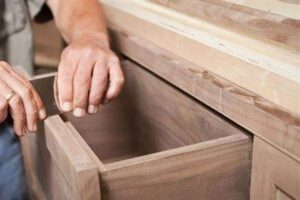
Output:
x,y
12,174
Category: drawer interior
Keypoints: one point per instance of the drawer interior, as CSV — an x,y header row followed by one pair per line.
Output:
x,y
150,116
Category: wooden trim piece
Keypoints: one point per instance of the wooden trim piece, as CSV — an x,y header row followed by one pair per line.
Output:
x,y
244,20
261,68
261,117
74,163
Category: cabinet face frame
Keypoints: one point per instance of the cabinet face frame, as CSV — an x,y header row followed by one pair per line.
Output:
x,y
274,174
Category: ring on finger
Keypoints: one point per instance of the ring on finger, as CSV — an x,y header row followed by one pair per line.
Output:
x,y
10,95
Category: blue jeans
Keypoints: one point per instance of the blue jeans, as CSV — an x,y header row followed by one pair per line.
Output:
x,y
12,174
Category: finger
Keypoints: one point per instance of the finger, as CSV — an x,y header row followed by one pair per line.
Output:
x,y
3,109
66,71
116,79
18,115
81,86
98,85
27,98
17,109
38,100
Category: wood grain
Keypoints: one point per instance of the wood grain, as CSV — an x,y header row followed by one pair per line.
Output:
x,y
259,116
217,169
76,166
266,70
244,20
274,174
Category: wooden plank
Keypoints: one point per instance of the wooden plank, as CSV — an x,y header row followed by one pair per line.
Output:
x,y
243,20
77,167
289,8
261,68
274,174
200,171
254,113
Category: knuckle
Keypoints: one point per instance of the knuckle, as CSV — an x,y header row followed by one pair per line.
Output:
x,y
89,51
120,81
66,78
68,52
82,80
3,63
16,101
113,58
26,93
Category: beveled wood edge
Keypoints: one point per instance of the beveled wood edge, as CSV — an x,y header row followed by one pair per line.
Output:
x,y
177,151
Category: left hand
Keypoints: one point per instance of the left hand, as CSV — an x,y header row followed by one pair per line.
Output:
x,y
89,74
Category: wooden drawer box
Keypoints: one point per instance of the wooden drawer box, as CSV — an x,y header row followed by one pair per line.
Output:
x,y
153,142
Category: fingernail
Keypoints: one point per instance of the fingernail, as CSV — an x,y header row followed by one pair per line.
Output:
x,y
67,106
42,113
78,112
35,127
92,109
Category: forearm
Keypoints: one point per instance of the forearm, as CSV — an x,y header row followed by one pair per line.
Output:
x,y
77,19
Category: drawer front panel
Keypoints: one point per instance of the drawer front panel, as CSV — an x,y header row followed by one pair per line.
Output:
x,y
214,170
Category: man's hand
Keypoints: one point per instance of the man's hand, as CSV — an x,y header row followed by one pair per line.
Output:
x,y
19,97
89,73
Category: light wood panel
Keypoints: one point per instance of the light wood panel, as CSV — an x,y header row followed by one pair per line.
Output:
x,y
254,113
274,174
244,20
266,70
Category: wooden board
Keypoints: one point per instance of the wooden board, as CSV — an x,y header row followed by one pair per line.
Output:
x,y
243,20
289,8
59,166
264,69
274,175
258,115
214,170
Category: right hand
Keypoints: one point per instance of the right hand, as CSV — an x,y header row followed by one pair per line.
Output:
x,y
25,107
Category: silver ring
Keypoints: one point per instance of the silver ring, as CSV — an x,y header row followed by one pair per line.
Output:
x,y
10,96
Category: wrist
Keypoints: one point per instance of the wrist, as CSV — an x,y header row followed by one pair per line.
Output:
x,y
101,37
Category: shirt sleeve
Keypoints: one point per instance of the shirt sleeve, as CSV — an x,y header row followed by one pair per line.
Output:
x,y
39,11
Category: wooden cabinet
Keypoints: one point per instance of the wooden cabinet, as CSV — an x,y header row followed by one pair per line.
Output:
x,y
154,142
274,174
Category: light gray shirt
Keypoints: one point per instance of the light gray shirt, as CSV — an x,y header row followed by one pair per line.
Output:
x,y
16,39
